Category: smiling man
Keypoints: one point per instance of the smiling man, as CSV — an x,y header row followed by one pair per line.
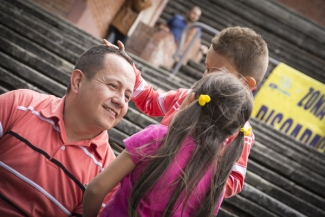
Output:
x,y
50,147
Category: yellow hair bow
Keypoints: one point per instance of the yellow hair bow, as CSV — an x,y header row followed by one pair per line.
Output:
x,y
203,99
246,130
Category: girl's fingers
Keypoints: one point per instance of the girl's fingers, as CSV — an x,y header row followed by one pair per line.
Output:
x,y
120,45
108,44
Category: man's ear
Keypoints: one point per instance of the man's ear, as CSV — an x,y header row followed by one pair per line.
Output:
x,y
251,82
75,80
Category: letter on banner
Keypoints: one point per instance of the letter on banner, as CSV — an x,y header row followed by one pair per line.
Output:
x,y
294,104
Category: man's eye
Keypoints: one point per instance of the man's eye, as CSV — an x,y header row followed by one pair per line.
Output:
x,y
113,85
128,97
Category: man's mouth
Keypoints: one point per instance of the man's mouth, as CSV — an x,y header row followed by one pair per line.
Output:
x,y
110,111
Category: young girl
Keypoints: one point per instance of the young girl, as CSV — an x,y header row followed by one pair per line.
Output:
x,y
180,170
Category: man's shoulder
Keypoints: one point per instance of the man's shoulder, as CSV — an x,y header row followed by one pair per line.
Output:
x,y
27,93
26,97
20,92
18,96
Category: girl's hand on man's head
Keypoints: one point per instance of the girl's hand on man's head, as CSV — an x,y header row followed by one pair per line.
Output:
x,y
119,43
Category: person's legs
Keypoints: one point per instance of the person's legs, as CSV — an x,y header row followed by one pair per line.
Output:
x,y
111,34
116,35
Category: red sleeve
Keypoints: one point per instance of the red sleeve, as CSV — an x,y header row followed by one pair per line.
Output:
x,y
151,102
236,179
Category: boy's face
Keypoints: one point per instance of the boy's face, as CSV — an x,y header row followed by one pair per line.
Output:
x,y
215,61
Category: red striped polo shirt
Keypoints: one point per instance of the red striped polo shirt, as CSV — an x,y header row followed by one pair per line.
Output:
x,y
41,173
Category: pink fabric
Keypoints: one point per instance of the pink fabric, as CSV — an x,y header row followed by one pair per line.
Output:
x,y
156,103
162,192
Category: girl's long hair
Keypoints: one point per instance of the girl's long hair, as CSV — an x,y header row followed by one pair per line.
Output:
x,y
209,126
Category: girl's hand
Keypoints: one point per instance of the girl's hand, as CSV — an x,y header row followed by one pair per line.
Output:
x,y
119,43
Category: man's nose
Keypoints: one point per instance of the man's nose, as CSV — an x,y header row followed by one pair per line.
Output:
x,y
119,100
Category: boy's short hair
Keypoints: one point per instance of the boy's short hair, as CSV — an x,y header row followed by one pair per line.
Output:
x,y
246,50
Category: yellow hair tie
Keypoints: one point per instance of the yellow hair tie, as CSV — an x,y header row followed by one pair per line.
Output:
x,y
203,99
246,130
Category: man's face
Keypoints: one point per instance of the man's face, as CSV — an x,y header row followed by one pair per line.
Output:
x,y
193,15
103,100
215,61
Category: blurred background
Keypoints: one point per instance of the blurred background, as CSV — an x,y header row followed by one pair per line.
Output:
x,y
41,40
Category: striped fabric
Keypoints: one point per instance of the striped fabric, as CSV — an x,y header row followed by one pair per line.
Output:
x,y
41,173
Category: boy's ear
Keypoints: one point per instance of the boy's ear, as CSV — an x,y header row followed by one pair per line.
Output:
x,y
251,82
192,98
189,99
75,80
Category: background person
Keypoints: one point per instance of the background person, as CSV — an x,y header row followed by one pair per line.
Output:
x,y
161,43
178,23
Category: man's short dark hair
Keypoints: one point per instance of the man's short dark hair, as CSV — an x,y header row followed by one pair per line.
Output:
x,y
92,60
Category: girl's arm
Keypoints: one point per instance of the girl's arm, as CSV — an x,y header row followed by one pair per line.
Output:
x,y
105,182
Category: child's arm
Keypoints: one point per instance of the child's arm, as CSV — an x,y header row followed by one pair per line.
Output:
x,y
105,182
147,100
150,101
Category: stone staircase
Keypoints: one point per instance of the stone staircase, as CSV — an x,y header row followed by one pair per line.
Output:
x,y
291,38
38,51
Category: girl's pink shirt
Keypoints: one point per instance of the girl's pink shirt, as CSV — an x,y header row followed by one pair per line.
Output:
x,y
161,194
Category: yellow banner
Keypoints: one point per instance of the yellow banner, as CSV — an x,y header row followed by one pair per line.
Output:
x,y
293,103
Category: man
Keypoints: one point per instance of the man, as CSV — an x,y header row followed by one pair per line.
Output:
x,y
51,148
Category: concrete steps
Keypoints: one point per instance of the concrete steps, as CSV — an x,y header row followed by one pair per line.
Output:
x,y
291,38
38,51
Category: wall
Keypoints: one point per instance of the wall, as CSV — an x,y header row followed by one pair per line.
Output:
x,y
59,7
103,12
150,15
79,12
94,16
312,9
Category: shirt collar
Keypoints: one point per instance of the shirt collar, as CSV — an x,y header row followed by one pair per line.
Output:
x,y
54,111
